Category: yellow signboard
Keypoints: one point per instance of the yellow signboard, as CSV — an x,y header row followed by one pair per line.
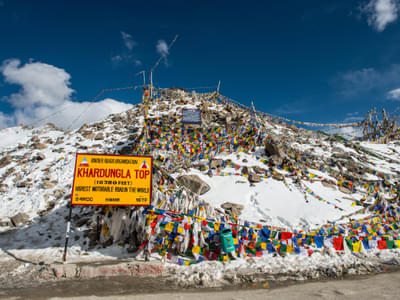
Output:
x,y
112,180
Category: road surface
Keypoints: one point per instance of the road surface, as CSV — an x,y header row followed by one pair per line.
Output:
x,y
382,286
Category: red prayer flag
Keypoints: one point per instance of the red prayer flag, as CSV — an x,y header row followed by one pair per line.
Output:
x,y
382,244
338,243
286,235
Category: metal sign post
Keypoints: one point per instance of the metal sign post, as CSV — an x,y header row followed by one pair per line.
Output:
x,y
67,233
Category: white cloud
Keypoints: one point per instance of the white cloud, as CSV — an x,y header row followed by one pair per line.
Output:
x,y
45,96
347,132
353,117
127,55
5,120
42,84
394,94
162,47
128,40
356,82
116,59
380,13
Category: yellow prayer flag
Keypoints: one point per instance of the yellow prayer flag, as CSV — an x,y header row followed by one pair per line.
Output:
x,y
216,226
357,246
375,220
196,249
169,227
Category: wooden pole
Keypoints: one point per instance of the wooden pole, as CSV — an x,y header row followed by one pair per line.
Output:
x,y
67,234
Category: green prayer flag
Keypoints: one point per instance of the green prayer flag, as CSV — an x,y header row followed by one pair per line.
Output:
x,y
349,243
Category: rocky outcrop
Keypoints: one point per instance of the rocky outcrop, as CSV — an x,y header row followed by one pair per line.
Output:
x,y
272,150
194,183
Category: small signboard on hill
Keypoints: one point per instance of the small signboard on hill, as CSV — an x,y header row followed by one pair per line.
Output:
x,y
191,116
112,180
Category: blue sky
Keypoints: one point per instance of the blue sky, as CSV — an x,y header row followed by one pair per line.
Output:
x,y
318,61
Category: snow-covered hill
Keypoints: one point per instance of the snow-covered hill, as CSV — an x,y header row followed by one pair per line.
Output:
x,y
273,174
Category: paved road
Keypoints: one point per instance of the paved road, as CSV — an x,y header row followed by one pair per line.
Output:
x,y
382,286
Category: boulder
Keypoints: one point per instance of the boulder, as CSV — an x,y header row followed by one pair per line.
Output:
x,y
21,184
40,156
345,190
254,178
35,139
194,183
215,163
88,135
83,128
278,176
98,126
3,187
272,150
245,170
99,136
328,184
19,219
39,146
352,166
49,184
6,160
117,118
232,208
258,170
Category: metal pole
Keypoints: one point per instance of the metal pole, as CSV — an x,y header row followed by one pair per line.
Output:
x,y
67,234
219,84
151,83
98,228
